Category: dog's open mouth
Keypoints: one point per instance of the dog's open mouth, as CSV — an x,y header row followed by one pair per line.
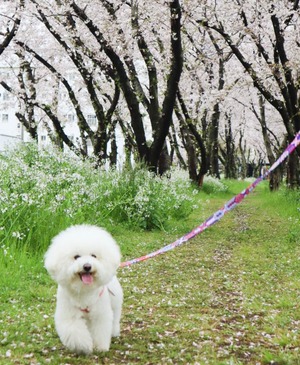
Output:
x,y
86,277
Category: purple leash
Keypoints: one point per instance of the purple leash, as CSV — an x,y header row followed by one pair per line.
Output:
x,y
228,206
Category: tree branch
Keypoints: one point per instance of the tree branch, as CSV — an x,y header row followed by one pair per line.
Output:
x,y
11,34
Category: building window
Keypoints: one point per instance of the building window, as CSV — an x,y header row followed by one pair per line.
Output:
x,y
4,74
71,118
43,138
71,77
5,96
91,119
4,118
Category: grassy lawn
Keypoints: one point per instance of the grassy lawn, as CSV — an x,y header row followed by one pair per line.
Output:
x,y
229,296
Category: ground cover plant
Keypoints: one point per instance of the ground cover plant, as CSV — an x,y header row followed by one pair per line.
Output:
x,y
47,188
229,296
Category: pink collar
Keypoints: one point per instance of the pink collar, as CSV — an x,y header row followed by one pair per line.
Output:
x,y
87,309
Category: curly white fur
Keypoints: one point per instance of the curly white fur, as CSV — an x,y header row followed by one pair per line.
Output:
x,y
83,260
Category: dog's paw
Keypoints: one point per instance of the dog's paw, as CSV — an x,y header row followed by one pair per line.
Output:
x,y
87,350
102,344
116,328
116,332
81,349
102,348
79,346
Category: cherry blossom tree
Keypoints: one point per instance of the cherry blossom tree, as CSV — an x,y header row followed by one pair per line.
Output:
x,y
268,53
206,83
87,40
138,97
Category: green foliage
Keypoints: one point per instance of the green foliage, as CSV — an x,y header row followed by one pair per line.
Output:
x,y
212,185
138,198
45,191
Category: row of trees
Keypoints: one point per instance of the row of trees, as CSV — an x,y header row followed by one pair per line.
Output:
x,y
209,79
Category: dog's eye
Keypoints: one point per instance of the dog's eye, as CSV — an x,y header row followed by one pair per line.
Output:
x,y
76,257
93,255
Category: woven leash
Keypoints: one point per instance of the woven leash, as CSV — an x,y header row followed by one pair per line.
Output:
x,y
232,203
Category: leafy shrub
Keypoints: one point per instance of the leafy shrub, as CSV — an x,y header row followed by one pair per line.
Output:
x,y
139,198
42,192
213,185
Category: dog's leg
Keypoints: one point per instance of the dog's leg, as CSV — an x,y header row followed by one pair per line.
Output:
x,y
116,299
116,319
101,330
74,334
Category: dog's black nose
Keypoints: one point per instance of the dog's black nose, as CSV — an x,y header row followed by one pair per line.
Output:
x,y
87,267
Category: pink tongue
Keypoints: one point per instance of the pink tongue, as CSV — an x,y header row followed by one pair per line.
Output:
x,y
87,278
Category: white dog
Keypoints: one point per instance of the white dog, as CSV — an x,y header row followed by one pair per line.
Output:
x,y
83,260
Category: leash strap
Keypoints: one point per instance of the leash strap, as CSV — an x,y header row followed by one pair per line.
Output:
x,y
228,206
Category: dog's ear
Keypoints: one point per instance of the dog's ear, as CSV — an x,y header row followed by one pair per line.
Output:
x,y
50,262
109,270
54,261
56,257
110,262
114,261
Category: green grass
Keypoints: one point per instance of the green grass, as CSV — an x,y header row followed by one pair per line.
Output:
x,y
229,296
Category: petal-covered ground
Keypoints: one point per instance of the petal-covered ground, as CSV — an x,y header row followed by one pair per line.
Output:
x,y
229,296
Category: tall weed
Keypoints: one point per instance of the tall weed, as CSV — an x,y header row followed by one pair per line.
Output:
x,y
42,192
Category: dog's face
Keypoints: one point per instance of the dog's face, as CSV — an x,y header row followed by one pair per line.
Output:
x,y
83,256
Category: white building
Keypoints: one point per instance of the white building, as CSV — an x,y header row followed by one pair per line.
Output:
x,y
11,130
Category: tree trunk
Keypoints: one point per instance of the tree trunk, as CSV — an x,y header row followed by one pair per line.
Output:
x,y
243,164
213,143
175,148
191,153
293,169
164,162
229,155
113,147
163,125
276,176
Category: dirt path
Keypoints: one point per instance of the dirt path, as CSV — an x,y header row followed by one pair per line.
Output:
x,y
214,300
